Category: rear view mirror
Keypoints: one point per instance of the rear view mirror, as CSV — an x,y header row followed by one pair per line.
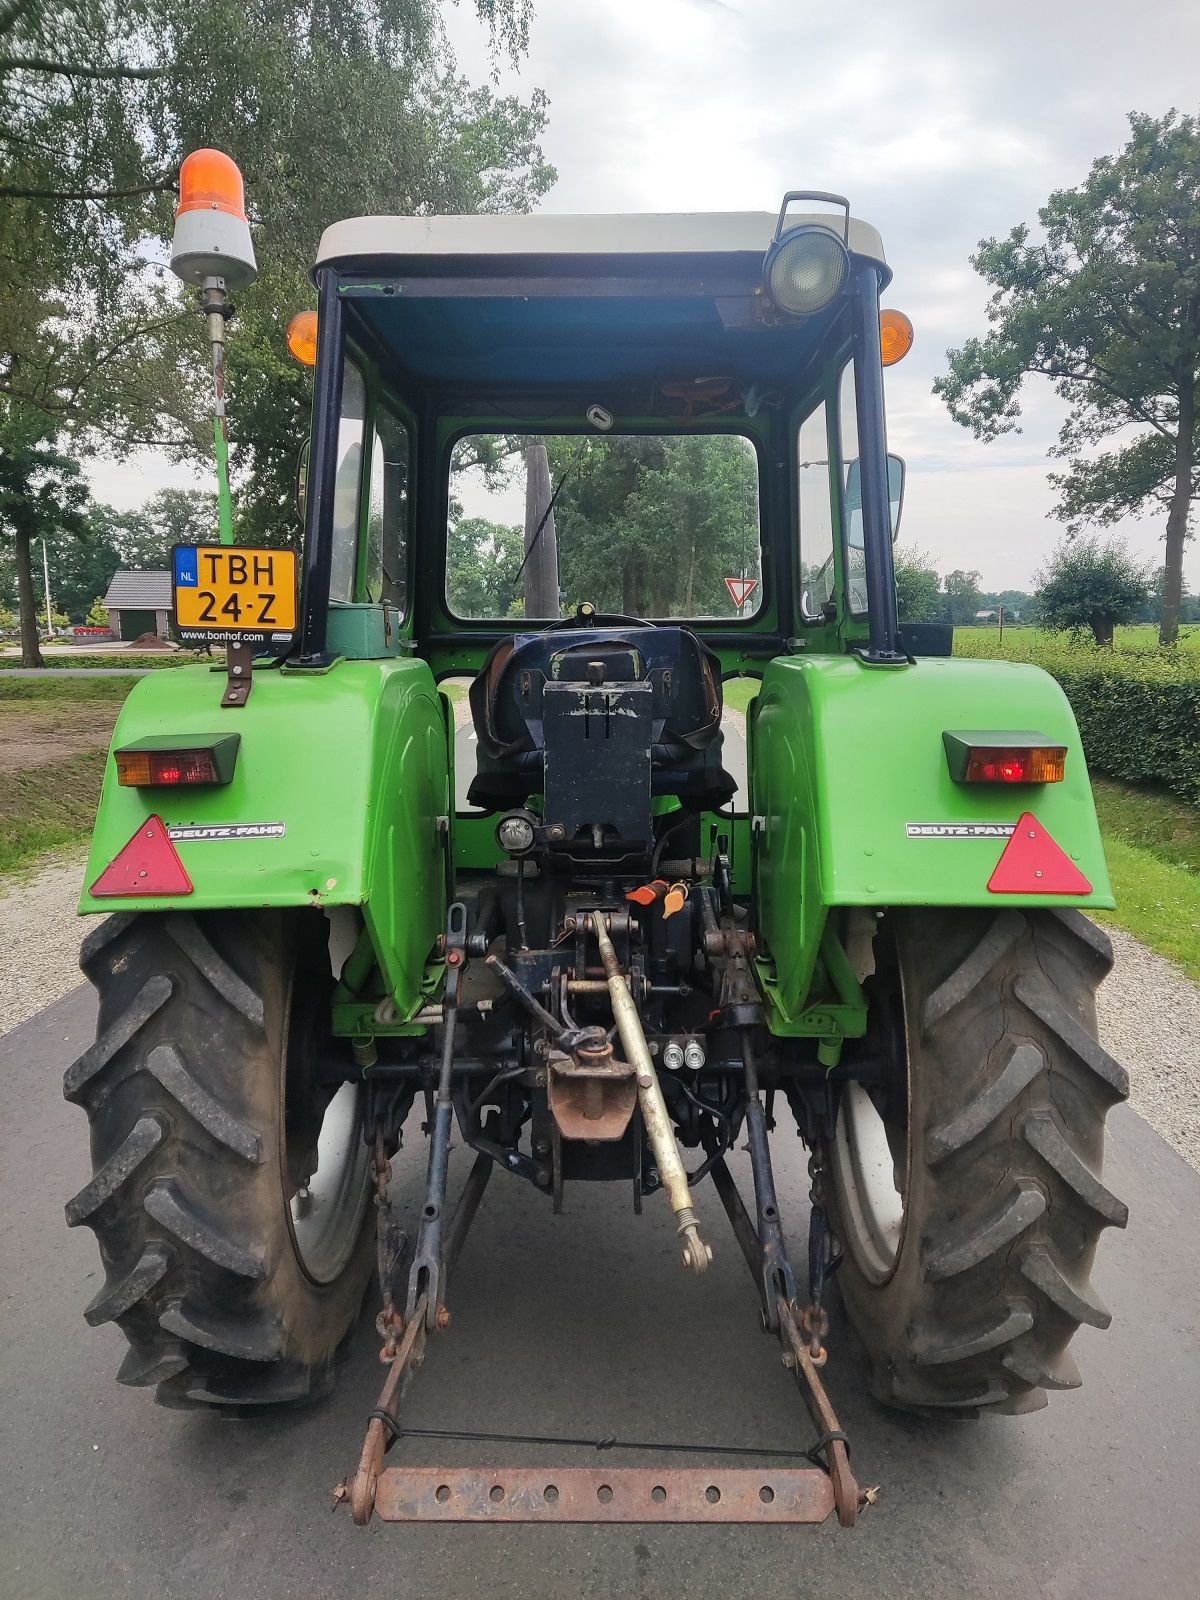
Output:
x,y
854,522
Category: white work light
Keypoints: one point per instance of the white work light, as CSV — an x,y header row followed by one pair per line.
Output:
x,y
805,270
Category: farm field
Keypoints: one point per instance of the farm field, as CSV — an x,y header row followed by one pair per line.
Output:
x,y
1029,644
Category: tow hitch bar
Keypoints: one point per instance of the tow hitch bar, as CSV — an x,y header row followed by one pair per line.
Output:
x,y
767,1493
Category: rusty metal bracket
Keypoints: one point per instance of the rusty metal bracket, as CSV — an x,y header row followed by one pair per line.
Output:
x,y
361,1489
848,1498
239,674
604,1494
428,1267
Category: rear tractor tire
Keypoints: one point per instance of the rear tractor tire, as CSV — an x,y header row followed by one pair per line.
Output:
x,y
232,1278
966,1191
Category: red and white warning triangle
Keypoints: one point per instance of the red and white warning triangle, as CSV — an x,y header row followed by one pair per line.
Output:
x,y
148,864
740,589
1032,863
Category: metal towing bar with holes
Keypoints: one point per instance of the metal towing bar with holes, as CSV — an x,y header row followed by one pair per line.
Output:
x,y
759,1494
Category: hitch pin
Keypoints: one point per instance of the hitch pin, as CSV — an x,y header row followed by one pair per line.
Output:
x,y
696,1254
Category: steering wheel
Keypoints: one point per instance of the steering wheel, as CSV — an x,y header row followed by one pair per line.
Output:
x,y
586,616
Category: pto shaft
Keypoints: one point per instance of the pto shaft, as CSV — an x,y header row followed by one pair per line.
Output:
x,y
696,1254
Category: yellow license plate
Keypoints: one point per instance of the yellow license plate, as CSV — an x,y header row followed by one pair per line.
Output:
x,y
235,594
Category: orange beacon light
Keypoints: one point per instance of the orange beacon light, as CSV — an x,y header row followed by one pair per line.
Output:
x,y
212,236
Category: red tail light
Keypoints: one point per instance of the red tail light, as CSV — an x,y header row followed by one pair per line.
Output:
x,y
172,762
1004,758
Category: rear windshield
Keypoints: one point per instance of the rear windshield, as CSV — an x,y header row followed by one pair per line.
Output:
x,y
663,525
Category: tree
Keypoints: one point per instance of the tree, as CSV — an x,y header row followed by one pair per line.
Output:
x,y
482,562
1107,307
918,586
82,562
330,110
963,596
1089,583
143,539
652,526
41,495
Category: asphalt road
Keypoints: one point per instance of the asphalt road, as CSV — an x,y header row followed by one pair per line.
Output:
x,y
583,1324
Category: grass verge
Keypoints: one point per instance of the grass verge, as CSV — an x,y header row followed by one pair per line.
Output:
x,y
47,807
1150,819
60,663
1157,901
64,691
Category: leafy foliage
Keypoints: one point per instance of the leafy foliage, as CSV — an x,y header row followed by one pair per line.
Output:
x,y
1138,710
963,596
1089,583
483,559
918,586
1106,305
42,495
329,110
653,526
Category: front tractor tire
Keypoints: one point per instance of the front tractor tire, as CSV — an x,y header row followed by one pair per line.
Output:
x,y
232,1279
966,1190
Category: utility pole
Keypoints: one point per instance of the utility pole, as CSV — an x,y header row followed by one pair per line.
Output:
x,y
46,579
541,567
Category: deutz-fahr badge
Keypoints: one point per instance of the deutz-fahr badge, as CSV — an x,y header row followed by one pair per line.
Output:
x,y
235,594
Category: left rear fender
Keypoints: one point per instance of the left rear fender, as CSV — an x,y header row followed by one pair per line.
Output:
x,y
353,762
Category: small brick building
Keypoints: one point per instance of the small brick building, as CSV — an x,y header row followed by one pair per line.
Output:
x,y
138,603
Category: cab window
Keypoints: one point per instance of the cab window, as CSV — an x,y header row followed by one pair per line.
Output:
x,y
347,478
816,516
648,525
385,576
852,521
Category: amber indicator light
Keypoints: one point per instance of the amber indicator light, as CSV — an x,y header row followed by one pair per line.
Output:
x,y
895,336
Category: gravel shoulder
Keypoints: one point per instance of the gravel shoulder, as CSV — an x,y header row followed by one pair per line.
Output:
x,y
1149,1012
40,936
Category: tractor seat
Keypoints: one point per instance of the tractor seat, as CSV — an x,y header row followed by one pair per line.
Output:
x,y
685,677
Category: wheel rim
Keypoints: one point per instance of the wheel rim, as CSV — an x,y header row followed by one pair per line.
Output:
x,y
326,1214
870,1180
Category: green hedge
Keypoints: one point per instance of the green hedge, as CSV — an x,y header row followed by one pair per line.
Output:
x,y
1138,712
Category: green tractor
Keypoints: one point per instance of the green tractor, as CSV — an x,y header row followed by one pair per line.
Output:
x,y
587,921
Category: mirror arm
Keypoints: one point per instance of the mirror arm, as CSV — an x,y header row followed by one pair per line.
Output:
x,y
318,508
883,639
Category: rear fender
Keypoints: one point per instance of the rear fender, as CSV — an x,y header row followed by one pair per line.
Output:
x,y
844,756
352,762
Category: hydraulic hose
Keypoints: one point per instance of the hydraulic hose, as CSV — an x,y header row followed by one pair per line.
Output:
x,y
696,1254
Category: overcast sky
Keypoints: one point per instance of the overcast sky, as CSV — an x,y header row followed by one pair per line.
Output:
x,y
943,120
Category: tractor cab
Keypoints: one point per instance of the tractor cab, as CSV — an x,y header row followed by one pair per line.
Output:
x,y
579,378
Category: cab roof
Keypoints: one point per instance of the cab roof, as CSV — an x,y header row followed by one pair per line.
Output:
x,y
512,304
362,239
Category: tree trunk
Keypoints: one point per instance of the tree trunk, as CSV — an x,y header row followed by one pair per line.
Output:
x,y
31,655
1102,630
541,568
1177,519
